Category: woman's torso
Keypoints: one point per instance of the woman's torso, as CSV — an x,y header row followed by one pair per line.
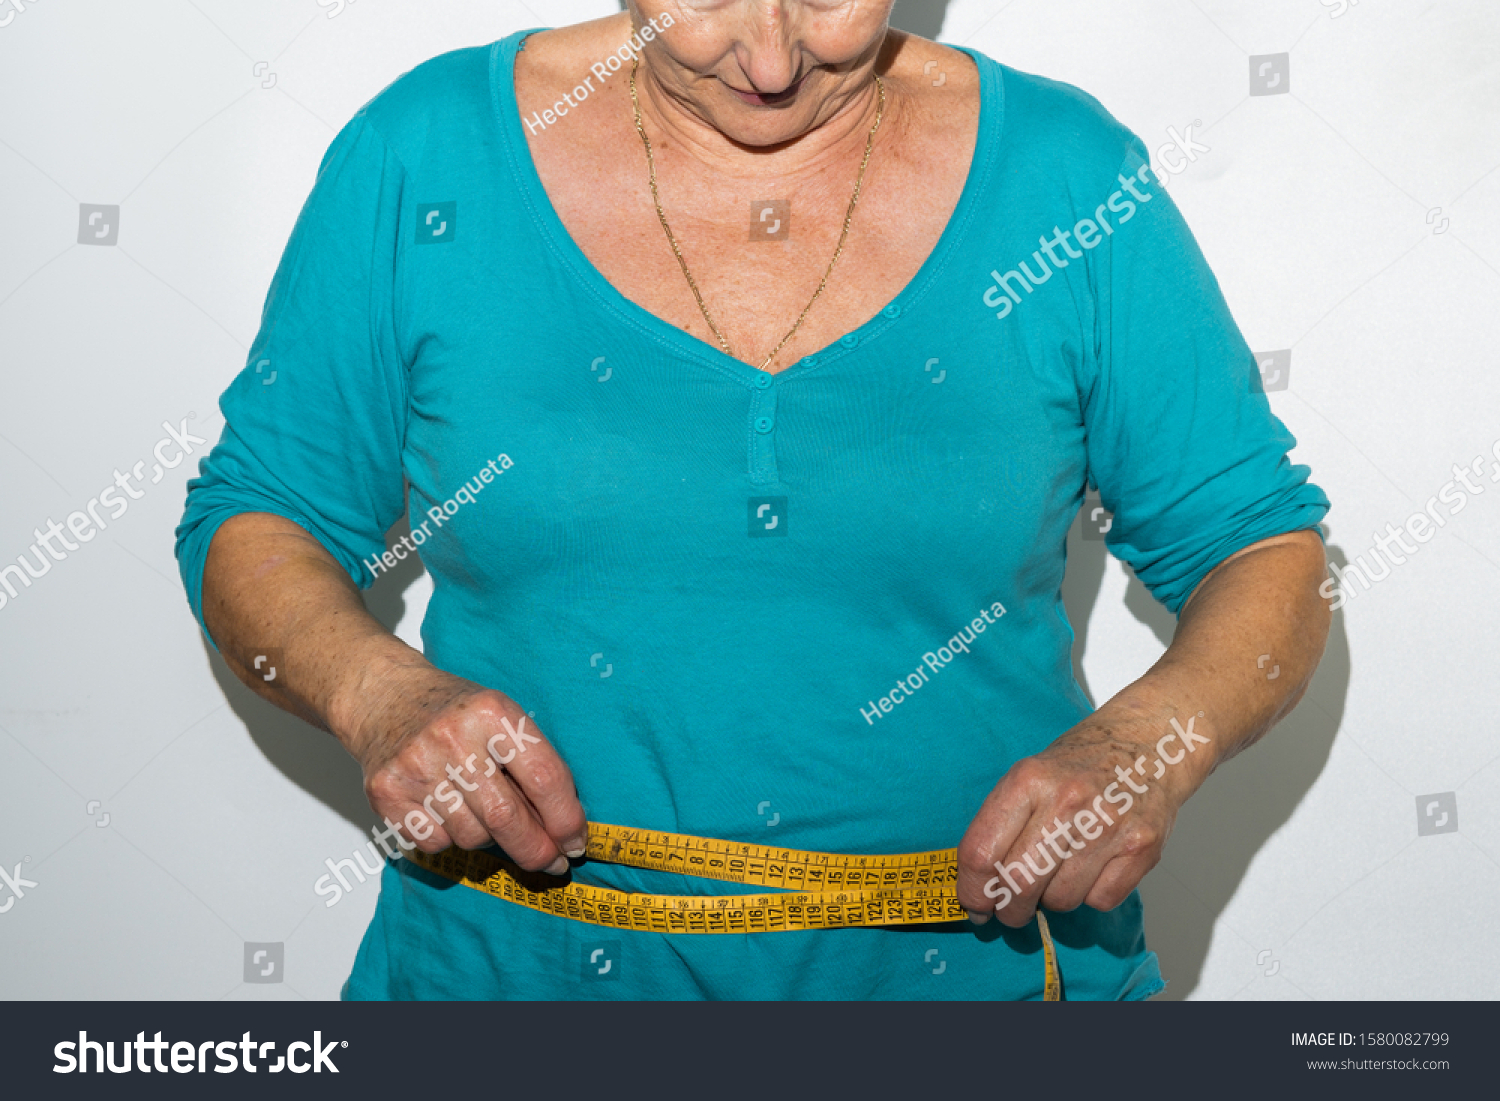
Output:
x,y
921,463
705,667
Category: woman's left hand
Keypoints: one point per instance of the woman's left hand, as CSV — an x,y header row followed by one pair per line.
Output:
x,y
1084,820
1107,792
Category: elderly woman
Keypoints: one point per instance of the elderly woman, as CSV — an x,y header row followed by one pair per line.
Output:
x,y
740,367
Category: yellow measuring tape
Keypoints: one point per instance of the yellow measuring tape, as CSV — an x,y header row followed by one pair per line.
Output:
x,y
828,890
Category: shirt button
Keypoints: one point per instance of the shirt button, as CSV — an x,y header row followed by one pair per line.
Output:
x,y
808,361
762,381
849,341
893,310
764,424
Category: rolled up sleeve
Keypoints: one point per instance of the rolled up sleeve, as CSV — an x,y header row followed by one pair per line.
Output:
x,y
315,422
1182,442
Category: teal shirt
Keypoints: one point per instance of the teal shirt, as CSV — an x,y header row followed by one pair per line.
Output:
x,y
758,559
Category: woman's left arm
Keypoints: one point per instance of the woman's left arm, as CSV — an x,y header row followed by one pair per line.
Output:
x,y
1085,820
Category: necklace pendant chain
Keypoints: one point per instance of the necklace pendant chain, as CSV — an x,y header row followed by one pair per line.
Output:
x,y
677,251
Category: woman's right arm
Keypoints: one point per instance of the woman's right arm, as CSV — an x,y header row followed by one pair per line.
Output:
x,y
426,740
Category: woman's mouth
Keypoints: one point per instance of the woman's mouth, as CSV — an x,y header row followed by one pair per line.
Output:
x,y
756,99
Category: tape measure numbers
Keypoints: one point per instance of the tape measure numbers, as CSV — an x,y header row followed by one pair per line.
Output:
x,y
825,890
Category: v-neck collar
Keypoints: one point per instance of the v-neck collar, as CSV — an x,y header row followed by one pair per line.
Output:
x,y
544,215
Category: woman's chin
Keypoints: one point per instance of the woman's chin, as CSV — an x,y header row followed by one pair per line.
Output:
x,y
762,126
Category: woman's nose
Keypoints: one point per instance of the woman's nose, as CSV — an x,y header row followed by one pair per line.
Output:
x,y
765,52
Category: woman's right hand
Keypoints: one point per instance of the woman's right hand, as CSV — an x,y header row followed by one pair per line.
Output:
x,y
450,761
454,762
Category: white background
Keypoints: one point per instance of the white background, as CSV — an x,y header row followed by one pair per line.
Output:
x,y
1353,221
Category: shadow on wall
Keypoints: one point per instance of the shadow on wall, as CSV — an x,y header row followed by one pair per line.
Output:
x,y
310,758
1232,816
923,18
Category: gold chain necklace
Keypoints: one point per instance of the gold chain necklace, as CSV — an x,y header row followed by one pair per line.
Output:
x,y
672,240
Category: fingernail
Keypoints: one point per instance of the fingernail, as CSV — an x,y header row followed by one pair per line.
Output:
x,y
576,847
558,866
978,918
